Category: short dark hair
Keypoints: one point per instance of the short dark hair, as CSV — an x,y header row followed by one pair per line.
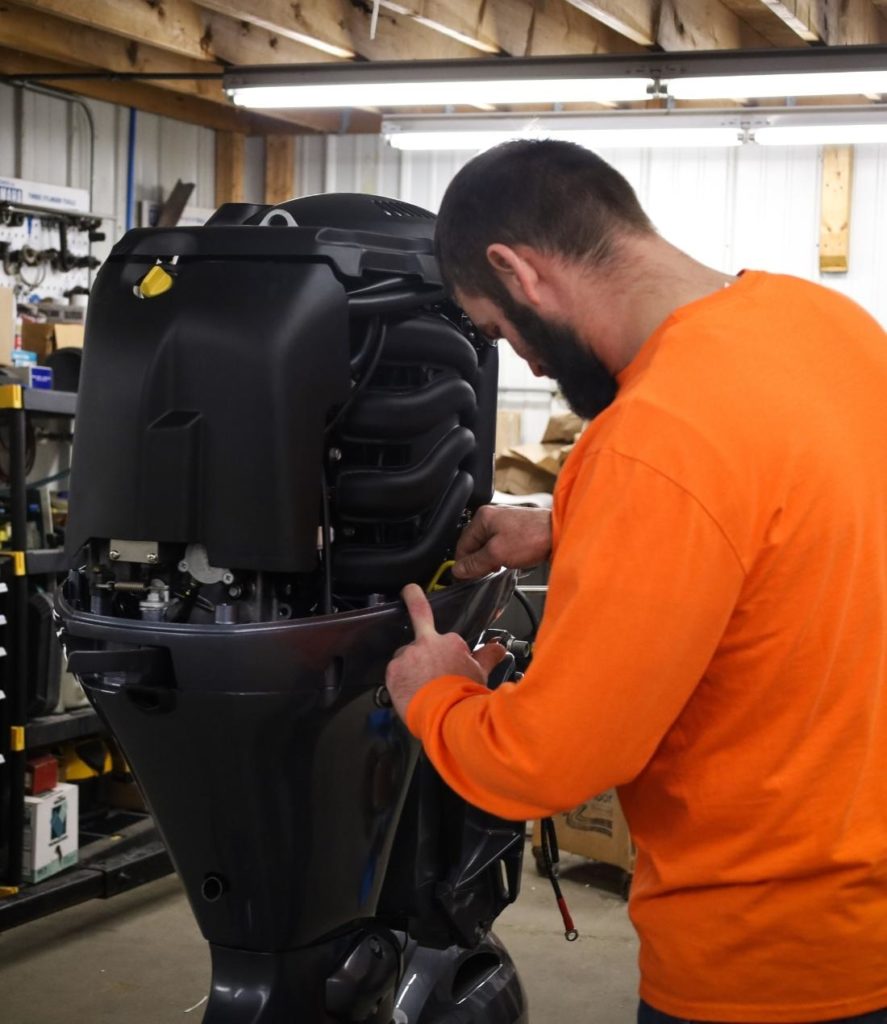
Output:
x,y
555,196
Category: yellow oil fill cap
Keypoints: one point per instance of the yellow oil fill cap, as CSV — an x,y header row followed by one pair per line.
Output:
x,y
155,282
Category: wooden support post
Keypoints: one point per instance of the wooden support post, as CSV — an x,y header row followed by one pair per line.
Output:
x,y
280,168
834,224
230,148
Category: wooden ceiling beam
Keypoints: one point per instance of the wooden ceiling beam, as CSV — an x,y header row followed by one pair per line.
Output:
x,y
693,24
834,22
43,34
344,27
177,26
459,20
856,22
174,25
704,25
636,20
763,17
135,94
556,27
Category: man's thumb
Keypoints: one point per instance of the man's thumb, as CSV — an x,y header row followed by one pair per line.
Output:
x,y
468,568
489,656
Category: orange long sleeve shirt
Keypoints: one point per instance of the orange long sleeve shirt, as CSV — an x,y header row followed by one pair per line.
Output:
x,y
715,644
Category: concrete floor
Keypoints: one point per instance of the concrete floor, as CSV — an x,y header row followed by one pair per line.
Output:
x,y
139,958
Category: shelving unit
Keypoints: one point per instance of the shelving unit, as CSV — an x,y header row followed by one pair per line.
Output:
x,y
17,403
134,853
70,725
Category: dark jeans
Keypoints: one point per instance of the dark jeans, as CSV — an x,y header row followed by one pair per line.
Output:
x,y
647,1015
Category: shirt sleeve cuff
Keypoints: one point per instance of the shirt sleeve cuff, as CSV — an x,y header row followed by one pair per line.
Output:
x,y
435,698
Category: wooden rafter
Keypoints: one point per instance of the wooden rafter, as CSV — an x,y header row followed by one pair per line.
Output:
x,y
557,27
47,36
704,25
345,27
135,94
834,22
636,21
175,25
764,18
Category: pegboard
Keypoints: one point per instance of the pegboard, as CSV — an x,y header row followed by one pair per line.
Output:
x,y
33,283
31,215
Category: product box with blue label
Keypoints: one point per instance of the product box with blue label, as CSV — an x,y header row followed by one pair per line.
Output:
x,y
34,376
51,834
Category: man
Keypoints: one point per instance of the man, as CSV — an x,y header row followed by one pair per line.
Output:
x,y
715,636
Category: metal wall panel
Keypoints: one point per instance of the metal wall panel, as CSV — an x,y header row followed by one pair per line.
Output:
x,y
53,146
167,151
8,147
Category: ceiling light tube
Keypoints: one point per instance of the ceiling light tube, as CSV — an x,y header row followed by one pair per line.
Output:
x,y
645,129
667,136
605,130
821,135
822,83
467,92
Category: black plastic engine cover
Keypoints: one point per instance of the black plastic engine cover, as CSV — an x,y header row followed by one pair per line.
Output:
x,y
205,397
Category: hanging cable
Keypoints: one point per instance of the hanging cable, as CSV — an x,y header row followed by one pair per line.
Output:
x,y
550,858
379,331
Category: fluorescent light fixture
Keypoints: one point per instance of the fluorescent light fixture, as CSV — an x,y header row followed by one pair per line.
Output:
x,y
438,83
821,135
783,126
819,126
822,83
667,136
625,130
743,74
441,93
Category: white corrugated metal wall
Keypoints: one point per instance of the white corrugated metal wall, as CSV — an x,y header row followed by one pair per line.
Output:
x,y
47,139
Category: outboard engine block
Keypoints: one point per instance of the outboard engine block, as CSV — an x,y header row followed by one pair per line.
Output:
x,y
282,421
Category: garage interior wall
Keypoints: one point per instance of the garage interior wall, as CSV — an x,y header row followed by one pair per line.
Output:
x,y
731,208
46,139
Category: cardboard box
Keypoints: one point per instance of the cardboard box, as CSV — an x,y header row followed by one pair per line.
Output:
x,y
34,376
565,427
508,429
596,830
51,832
533,468
44,339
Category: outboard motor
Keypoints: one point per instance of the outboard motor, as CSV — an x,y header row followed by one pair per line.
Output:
x,y
282,421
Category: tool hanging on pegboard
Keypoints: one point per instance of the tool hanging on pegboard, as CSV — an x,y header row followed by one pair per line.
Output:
x,y
45,253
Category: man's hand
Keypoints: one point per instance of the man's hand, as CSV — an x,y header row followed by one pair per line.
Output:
x,y
502,535
433,654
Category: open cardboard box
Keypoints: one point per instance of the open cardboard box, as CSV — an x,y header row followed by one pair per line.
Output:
x,y
44,339
533,468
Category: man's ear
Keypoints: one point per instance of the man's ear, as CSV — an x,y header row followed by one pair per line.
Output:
x,y
517,271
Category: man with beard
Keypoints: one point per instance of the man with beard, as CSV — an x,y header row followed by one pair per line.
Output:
x,y
715,636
